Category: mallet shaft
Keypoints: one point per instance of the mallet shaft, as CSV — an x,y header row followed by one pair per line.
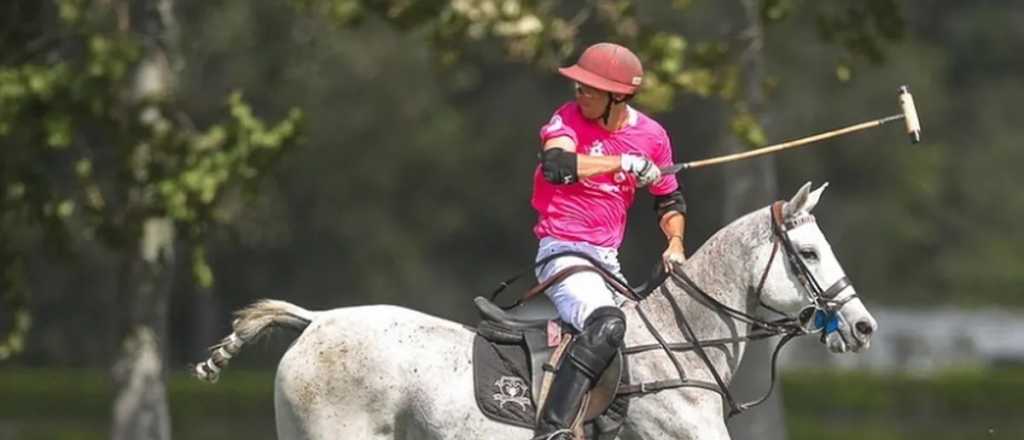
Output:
x,y
789,144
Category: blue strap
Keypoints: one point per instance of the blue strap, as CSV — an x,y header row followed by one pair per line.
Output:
x,y
827,321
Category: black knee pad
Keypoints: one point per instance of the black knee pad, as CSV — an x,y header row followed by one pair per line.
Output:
x,y
607,324
600,339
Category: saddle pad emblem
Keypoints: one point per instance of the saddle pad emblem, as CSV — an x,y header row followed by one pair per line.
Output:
x,y
512,389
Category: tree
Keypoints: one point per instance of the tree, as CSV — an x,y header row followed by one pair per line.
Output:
x,y
752,184
747,188
95,147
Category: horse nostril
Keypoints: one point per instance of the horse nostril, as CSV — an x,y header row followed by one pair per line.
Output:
x,y
865,328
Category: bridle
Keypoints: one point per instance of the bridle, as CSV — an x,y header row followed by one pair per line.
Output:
x,y
823,304
821,301
824,300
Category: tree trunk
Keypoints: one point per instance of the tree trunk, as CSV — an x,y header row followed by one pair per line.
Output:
x,y
749,185
140,405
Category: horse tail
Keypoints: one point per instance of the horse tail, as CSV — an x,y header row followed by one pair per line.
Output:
x,y
250,323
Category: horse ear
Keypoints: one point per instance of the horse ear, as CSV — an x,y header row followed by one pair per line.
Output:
x,y
796,204
813,197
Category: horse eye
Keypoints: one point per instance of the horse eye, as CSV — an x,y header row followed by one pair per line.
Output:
x,y
808,254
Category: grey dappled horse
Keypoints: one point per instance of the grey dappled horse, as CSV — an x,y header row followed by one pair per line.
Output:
x,y
387,372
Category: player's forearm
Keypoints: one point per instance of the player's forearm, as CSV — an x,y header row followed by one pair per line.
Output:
x,y
587,166
673,224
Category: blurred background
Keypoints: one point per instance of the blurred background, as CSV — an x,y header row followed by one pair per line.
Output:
x,y
165,162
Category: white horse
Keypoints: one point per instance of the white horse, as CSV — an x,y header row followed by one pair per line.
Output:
x,y
386,372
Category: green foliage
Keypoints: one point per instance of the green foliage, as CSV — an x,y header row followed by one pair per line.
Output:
x,y
777,10
542,34
85,154
861,28
229,153
527,29
747,128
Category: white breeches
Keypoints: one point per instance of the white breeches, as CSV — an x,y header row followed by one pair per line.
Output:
x,y
580,294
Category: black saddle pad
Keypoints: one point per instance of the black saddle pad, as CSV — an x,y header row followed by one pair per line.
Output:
x,y
502,382
503,387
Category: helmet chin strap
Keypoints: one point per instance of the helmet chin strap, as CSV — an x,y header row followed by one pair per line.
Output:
x,y
608,107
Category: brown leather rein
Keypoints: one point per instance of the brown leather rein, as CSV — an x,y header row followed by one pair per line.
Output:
x,y
787,327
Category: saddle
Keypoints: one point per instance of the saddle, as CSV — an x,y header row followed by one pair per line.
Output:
x,y
514,361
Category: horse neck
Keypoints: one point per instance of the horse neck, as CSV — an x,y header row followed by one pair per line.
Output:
x,y
724,268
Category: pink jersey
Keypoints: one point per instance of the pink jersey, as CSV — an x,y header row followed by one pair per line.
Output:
x,y
593,210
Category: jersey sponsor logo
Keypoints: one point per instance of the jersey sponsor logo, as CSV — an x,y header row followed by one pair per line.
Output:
x,y
596,148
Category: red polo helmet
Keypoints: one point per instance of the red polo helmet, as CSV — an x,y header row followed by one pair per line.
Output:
x,y
608,67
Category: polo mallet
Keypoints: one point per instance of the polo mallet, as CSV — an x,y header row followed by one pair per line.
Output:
x,y
909,115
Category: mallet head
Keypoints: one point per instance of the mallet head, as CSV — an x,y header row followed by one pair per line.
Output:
x,y
910,114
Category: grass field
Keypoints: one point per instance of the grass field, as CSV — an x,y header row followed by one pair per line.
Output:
x,y
956,405
38,404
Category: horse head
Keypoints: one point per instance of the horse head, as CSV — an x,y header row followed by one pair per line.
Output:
x,y
804,277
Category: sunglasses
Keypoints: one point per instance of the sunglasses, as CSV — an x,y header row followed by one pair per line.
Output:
x,y
585,90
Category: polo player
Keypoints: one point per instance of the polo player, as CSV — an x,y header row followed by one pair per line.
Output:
x,y
597,151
